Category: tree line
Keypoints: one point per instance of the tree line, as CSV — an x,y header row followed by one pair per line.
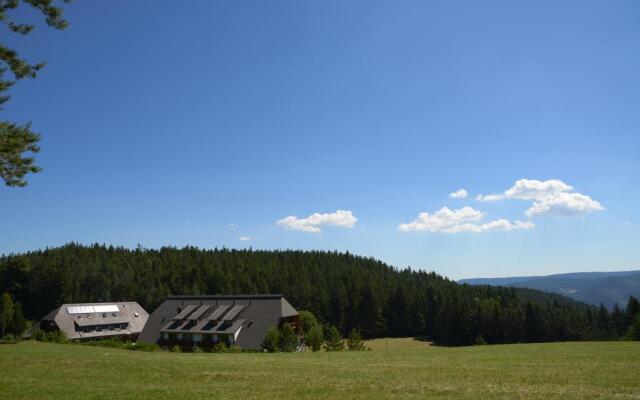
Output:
x,y
342,290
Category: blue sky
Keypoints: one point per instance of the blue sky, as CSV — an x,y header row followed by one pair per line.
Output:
x,y
214,120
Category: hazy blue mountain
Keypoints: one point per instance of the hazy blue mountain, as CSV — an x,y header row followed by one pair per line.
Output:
x,y
589,287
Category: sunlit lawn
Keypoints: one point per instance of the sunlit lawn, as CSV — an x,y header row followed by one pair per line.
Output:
x,y
408,369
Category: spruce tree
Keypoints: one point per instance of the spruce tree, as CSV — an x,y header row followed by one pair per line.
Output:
x,y
634,330
333,340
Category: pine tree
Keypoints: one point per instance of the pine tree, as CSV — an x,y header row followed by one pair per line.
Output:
x,y
634,330
369,314
531,327
632,310
15,140
333,341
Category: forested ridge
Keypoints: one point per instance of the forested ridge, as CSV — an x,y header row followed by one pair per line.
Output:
x,y
341,289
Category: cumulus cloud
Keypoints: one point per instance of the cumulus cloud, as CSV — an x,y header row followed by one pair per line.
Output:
x,y
244,238
552,197
532,189
564,205
459,194
313,222
465,219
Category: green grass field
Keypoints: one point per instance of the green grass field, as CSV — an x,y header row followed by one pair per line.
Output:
x,y
408,369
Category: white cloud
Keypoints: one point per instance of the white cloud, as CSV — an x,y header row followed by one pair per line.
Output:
x,y
564,205
489,197
459,194
532,189
313,222
552,197
627,222
244,238
465,219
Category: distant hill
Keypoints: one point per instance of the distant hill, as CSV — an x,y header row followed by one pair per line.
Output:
x,y
594,288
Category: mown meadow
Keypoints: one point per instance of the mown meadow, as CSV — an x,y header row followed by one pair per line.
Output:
x,y
394,368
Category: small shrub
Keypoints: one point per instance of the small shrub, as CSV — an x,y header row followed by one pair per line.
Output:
x,y
234,348
634,329
354,341
307,320
315,338
220,347
288,339
39,336
143,346
480,340
333,340
9,337
56,337
197,349
272,340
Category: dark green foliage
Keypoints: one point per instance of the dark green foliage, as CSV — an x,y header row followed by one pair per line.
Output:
x,y
342,290
272,340
307,320
12,320
634,330
53,336
220,347
18,324
480,341
6,312
288,339
283,339
315,338
197,349
15,140
333,340
354,341
633,310
8,338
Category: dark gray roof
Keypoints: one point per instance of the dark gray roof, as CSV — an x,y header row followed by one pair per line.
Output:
x,y
198,313
183,314
217,313
251,314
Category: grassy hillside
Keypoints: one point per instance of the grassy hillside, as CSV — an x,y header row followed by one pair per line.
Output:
x,y
409,369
